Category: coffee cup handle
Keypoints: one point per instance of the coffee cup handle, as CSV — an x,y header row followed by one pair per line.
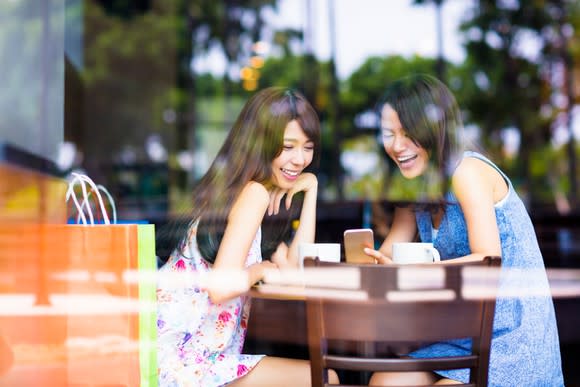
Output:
x,y
435,253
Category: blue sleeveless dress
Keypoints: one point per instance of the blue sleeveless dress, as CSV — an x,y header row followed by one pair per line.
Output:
x,y
525,349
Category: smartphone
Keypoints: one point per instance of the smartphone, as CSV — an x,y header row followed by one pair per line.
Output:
x,y
355,240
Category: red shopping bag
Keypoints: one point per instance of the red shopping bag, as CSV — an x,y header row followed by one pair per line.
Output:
x,y
78,305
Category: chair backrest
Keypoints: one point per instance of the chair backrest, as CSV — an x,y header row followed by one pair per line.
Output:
x,y
402,305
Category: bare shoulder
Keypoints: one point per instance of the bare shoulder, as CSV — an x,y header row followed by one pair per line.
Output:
x,y
254,192
471,169
255,188
474,177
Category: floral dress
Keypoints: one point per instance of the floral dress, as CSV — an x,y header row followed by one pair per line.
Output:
x,y
199,343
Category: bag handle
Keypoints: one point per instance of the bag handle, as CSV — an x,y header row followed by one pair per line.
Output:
x,y
84,180
101,188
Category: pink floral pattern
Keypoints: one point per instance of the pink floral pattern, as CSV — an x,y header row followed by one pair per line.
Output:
x,y
242,370
199,343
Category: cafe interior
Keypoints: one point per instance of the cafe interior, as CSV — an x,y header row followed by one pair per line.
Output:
x,y
113,110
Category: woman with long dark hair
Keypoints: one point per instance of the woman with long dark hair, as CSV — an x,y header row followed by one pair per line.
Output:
x,y
474,212
260,167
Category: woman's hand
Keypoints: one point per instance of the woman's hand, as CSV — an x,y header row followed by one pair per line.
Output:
x,y
305,182
280,256
267,266
378,256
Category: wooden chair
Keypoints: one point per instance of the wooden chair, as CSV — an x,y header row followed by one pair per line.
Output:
x,y
404,304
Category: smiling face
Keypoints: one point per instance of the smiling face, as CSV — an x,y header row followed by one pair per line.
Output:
x,y
410,157
297,153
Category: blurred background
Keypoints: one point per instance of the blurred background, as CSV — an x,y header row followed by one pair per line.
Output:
x,y
140,95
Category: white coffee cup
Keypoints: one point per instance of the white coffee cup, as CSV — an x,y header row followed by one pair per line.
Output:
x,y
329,252
414,252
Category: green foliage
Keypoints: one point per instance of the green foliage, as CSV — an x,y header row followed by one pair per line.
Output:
x,y
549,173
207,85
138,68
365,86
508,89
125,9
232,25
285,71
129,77
371,184
573,18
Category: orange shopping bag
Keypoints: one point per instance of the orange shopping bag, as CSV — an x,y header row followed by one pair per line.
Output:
x,y
78,305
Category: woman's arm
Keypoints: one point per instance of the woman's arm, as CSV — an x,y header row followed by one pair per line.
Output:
x,y
306,231
307,183
243,222
477,187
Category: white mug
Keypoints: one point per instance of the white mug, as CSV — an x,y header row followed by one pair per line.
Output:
x,y
329,252
414,252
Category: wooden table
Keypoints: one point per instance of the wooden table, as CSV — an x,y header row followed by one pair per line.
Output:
x,y
277,324
278,313
277,318
277,327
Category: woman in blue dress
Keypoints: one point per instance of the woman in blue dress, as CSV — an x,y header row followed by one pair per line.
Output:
x,y
478,213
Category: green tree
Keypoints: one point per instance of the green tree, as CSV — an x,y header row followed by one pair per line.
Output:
x,y
286,71
128,78
509,88
364,88
440,68
231,25
138,69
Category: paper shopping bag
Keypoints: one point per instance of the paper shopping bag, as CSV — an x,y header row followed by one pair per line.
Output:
x,y
148,306
79,306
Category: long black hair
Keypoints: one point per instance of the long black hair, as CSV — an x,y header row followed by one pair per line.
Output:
x,y
254,141
430,116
